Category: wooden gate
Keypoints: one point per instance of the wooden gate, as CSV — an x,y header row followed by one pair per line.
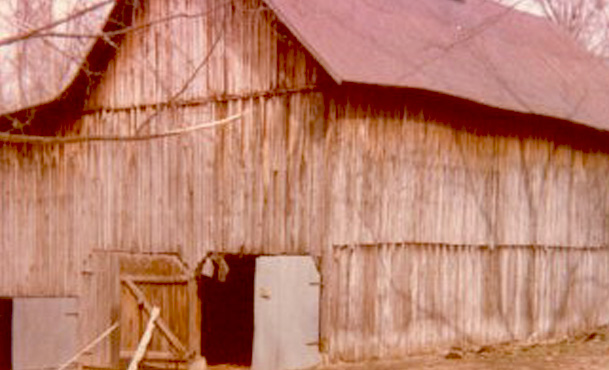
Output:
x,y
161,281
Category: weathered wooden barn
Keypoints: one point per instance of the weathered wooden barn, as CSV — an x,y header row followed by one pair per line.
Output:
x,y
376,179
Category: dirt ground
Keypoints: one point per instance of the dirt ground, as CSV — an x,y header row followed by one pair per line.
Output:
x,y
586,351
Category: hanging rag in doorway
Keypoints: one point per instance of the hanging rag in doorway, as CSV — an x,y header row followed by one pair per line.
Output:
x,y
214,265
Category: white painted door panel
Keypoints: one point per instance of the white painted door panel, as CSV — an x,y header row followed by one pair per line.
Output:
x,y
286,313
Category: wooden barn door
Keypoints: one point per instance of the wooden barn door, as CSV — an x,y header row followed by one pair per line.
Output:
x,y
286,313
163,282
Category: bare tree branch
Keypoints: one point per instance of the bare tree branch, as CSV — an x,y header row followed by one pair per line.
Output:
x,y
586,20
33,33
16,138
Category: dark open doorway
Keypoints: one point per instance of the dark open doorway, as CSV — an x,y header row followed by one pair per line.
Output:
x,y
227,325
6,331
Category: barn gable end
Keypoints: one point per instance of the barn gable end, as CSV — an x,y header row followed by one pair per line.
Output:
x,y
195,52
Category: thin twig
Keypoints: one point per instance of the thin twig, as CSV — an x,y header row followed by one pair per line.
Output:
x,y
190,79
89,346
32,33
124,30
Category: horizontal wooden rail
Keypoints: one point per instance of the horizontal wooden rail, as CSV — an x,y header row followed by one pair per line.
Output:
x,y
161,280
153,356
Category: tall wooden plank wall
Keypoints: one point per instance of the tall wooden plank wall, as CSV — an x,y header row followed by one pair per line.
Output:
x,y
226,188
398,175
525,218
100,308
39,193
245,187
248,187
389,300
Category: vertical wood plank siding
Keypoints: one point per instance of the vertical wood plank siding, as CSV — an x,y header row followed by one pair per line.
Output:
x,y
393,299
204,50
399,176
100,307
247,187
37,233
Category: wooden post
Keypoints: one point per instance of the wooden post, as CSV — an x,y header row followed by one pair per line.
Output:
x,y
114,288
143,345
194,318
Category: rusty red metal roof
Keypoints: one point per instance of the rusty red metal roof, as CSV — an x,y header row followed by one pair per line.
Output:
x,y
473,49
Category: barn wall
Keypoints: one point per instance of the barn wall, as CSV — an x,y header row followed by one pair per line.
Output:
x,y
250,186
501,232
389,300
282,179
182,63
480,177
100,307
40,200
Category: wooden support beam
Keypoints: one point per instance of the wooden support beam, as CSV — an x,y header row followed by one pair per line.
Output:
x,y
161,280
157,356
161,324
194,318
143,345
